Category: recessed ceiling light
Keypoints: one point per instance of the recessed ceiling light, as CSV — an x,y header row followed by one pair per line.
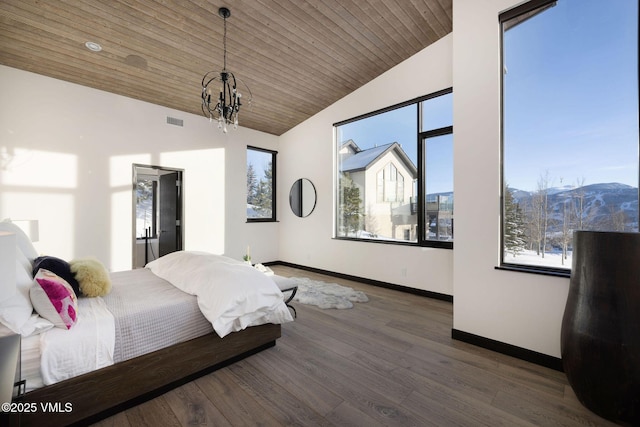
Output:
x,y
93,46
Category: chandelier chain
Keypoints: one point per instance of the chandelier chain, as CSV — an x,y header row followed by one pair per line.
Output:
x,y
224,45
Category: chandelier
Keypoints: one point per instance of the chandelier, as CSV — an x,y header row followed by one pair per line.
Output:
x,y
226,107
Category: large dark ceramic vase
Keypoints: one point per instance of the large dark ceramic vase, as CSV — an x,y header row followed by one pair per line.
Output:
x,y
600,338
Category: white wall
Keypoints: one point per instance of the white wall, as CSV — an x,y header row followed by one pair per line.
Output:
x,y
74,147
306,151
66,155
516,308
521,309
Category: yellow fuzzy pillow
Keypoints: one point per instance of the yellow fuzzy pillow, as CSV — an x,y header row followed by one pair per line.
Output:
x,y
92,277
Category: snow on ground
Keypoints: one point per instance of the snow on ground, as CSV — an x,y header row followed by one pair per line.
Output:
x,y
551,259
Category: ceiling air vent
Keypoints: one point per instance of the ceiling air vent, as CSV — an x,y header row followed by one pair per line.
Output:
x,y
175,122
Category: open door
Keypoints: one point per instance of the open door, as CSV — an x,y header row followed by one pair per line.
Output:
x,y
169,236
157,213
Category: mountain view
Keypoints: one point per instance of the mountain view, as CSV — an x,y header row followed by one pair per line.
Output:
x,y
601,203
540,224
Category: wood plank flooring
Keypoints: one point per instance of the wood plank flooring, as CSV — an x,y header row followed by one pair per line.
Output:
x,y
389,362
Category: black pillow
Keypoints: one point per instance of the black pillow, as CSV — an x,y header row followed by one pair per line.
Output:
x,y
57,266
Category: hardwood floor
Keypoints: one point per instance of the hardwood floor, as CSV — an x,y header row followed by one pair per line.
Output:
x,y
390,361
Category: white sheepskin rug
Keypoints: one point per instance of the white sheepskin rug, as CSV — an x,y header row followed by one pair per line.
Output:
x,y
326,295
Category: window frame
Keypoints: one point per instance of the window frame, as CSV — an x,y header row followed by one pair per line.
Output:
x,y
507,15
421,202
532,7
273,153
422,207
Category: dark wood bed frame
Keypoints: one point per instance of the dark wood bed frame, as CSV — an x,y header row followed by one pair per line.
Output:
x,y
107,391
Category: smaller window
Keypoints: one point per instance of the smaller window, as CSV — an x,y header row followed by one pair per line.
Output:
x,y
438,158
261,185
437,161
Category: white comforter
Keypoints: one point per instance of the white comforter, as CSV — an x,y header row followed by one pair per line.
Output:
x,y
232,295
87,346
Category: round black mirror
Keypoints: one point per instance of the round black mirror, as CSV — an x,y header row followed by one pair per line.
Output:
x,y
302,197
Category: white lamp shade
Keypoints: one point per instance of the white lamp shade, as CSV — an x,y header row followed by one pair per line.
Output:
x,y
30,227
7,265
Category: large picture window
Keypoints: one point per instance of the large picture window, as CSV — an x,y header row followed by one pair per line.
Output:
x,y
570,127
395,173
261,185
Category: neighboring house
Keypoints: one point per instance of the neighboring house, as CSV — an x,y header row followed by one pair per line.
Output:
x,y
386,179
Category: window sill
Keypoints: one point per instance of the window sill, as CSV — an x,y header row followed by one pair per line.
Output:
x,y
535,270
433,244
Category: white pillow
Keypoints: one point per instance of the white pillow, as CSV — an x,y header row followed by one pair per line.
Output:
x,y
16,311
23,264
22,240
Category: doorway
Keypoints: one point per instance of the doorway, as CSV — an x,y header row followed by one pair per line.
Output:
x,y
157,212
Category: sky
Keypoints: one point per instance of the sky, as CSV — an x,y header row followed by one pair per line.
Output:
x,y
571,95
571,101
399,125
259,160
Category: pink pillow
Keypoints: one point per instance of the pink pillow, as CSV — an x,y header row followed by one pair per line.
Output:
x,y
53,298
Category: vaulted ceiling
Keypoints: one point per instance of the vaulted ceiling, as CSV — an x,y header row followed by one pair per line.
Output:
x,y
296,56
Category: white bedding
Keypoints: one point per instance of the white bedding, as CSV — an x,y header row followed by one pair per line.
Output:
x,y
151,314
232,295
87,346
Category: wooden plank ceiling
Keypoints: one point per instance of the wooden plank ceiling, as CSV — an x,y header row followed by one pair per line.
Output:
x,y
296,56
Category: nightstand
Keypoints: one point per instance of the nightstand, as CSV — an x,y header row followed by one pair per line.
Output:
x,y
9,372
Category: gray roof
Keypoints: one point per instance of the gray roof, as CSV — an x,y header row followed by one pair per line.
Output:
x,y
362,159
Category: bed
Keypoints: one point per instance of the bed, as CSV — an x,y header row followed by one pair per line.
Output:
x,y
157,329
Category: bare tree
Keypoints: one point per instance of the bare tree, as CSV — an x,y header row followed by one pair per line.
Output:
x,y
572,207
536,221
540,214
567,229
528,223
578,205
618,219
